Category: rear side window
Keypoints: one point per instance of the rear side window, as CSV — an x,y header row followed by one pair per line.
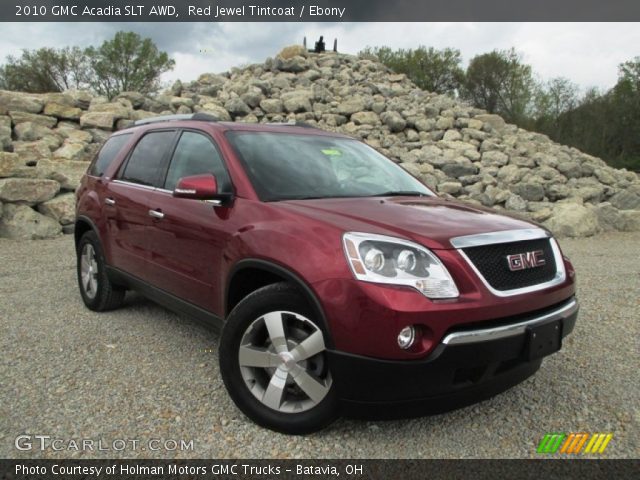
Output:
x,y
146,160
107,153
195,155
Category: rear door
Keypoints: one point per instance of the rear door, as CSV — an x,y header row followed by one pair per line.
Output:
x,y
187,236
127,201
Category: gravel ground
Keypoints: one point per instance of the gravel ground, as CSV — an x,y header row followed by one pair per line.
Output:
x,y
142,373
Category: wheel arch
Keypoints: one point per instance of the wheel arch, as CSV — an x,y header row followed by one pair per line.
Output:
x,y
269,273
83,225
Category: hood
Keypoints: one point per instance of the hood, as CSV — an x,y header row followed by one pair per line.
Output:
x,y
430,221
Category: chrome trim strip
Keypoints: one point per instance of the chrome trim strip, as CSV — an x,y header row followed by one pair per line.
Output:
x,y
506,236
133,184
488,334
559,277
145,187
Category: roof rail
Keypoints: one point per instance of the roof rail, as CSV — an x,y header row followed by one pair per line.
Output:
x,y
292,123
201,117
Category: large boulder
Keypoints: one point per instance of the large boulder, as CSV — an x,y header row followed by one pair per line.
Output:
x,y
79,98
29,132
22,102
59,110
103,120
28,190
10,164
629,221
352,105
71,151
136,98
271,105
495,122
42,120
21,222
61,208
116,109
608,216
216,110
209,84
294,64
30,151
293,51
627,199
67,173
297,101
571,219
236,107
530,190
365,118
394,121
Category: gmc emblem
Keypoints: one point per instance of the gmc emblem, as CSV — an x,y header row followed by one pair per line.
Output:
x,y
522,261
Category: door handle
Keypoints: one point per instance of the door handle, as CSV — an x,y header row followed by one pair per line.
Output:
x,y
156,214
109,201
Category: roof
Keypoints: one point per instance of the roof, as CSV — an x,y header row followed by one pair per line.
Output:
x,y
196,120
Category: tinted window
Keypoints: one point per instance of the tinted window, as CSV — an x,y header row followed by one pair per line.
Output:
x,y
194,155
108,152
286,166
145,161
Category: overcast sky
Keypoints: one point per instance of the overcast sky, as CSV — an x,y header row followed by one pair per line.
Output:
x,y
586,53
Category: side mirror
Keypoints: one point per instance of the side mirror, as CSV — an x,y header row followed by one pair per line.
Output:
x,y
200,187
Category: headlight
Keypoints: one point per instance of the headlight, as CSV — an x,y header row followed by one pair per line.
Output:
x,y
382,259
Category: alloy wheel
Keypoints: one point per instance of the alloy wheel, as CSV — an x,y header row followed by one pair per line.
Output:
x,y
89,271
282,362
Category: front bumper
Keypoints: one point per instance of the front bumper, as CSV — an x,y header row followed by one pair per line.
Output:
x,y
467,366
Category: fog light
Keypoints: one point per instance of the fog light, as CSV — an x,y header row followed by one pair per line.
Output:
x,y
406,337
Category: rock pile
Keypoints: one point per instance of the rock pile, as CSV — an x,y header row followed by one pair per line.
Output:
x,y
457,150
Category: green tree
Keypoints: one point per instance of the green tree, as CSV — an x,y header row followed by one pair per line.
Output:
x,y
430,69
552,99
555,97
45,70
606,124
127,62
501,83
625,99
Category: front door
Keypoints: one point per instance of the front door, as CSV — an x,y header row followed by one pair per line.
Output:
x,y
187,236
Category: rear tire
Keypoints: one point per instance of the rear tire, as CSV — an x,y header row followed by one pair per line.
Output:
x,y
274,364
97,291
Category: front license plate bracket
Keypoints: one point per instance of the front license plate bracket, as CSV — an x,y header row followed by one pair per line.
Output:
x,y
543,340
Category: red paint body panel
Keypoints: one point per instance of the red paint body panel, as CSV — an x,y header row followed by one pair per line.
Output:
x,y
192,251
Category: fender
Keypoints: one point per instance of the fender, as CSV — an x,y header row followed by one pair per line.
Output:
x,y
290,277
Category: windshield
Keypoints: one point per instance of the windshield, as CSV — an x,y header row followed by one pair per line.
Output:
x,y
285,166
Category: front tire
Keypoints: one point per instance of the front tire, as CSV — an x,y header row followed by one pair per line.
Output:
x,y
273,362
97,291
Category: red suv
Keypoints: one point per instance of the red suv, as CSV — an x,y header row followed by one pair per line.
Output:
x,y
339,281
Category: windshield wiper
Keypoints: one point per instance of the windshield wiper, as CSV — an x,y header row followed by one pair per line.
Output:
x,y
309,197
400,193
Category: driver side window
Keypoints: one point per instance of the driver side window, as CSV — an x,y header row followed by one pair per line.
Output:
x,y
195,154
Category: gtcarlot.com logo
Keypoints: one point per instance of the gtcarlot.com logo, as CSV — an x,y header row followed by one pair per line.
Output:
x,y
47,442
574,443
